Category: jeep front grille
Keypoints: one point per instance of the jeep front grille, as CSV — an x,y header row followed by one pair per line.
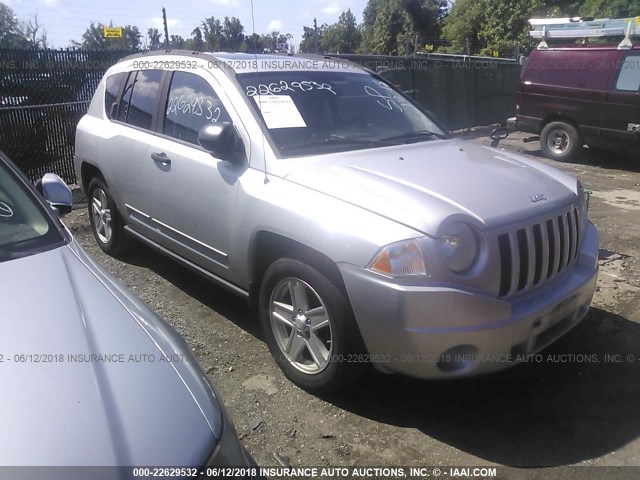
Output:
x,y
537,253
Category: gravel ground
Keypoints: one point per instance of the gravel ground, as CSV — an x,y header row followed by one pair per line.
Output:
x,y
551,413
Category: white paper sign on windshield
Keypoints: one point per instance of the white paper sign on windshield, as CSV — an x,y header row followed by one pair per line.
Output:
x,y
279,111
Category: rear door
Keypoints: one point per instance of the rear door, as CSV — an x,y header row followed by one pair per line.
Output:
x,y
621,123
126,166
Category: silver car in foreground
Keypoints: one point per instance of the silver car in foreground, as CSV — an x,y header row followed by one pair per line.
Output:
x,y
90,376
361,231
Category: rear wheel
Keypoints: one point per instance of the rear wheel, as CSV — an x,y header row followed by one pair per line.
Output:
x,y
106,223
309,327
560,141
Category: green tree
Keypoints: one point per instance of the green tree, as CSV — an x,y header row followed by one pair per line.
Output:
x,y
196,42
611,8
155,40
233,33
463,26
391,27
254,43
93,38
11,32
308,42
275,41
485,26
212,34
343,36
177,42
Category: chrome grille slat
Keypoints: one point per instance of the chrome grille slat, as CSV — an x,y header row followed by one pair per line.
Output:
x,y
531,251
515,262
545,251
556,244
534,254
573,237
565,242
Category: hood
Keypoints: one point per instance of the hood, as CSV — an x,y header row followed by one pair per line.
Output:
x,y
141,399
427,184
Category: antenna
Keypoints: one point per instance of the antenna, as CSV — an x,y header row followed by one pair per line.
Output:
x,y
255,53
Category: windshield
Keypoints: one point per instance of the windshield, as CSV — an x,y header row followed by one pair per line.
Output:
x,y
311,112
25,229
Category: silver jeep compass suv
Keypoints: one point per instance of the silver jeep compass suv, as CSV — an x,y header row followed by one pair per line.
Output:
x,y
344,212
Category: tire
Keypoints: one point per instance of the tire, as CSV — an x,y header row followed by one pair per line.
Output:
x,y
290,336
560,141
106,223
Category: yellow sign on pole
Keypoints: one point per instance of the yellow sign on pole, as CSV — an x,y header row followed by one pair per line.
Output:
x,y
112,32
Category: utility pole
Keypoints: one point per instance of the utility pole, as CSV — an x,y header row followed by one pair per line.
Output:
x,y
166,30
315,26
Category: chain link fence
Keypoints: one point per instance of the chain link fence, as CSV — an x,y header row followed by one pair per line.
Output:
x,y
43,95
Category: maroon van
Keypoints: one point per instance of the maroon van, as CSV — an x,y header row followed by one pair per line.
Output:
x,y
577,95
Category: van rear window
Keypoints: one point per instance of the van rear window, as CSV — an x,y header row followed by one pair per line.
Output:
x,y
567,68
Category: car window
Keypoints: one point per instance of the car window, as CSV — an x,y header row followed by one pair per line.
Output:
x,y
191,104
123,107
146,90
629,77
111,90
314,112
24,227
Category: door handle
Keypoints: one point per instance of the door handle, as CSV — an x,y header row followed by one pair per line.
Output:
x,y
161,158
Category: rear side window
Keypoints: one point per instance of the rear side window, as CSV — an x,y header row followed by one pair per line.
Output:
x,y
123,107
629,77
144,98
191,104
111,91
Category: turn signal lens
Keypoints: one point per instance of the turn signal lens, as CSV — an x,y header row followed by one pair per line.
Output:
x,y
402,259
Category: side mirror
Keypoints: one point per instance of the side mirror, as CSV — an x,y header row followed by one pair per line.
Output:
x,y
221,140
55,192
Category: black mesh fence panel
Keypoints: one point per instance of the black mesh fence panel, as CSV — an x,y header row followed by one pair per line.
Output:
x,y
43,95
461,91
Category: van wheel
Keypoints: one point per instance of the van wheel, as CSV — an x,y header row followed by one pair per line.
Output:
x,y
106,223
310,328
560,141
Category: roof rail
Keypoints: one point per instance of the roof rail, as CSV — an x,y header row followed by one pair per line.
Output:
x,y
580,27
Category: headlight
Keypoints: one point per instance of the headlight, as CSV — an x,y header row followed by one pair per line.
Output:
x,y
401,259
459,247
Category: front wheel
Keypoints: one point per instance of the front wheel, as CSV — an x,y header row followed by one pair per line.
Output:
x,y
560,141
309,327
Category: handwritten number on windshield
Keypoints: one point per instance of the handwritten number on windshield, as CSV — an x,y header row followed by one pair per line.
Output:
x,y
275,88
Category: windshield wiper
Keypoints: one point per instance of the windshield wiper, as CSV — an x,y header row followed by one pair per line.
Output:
x,y
329,141
412,136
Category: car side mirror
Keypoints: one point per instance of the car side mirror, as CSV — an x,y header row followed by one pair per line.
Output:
x,y
55,192
221,140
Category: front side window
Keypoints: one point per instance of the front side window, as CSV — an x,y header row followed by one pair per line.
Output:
x,y
25,229
629,77
191,104
314,112
111,91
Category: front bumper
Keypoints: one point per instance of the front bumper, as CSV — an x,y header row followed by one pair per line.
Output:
x,y
437,332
